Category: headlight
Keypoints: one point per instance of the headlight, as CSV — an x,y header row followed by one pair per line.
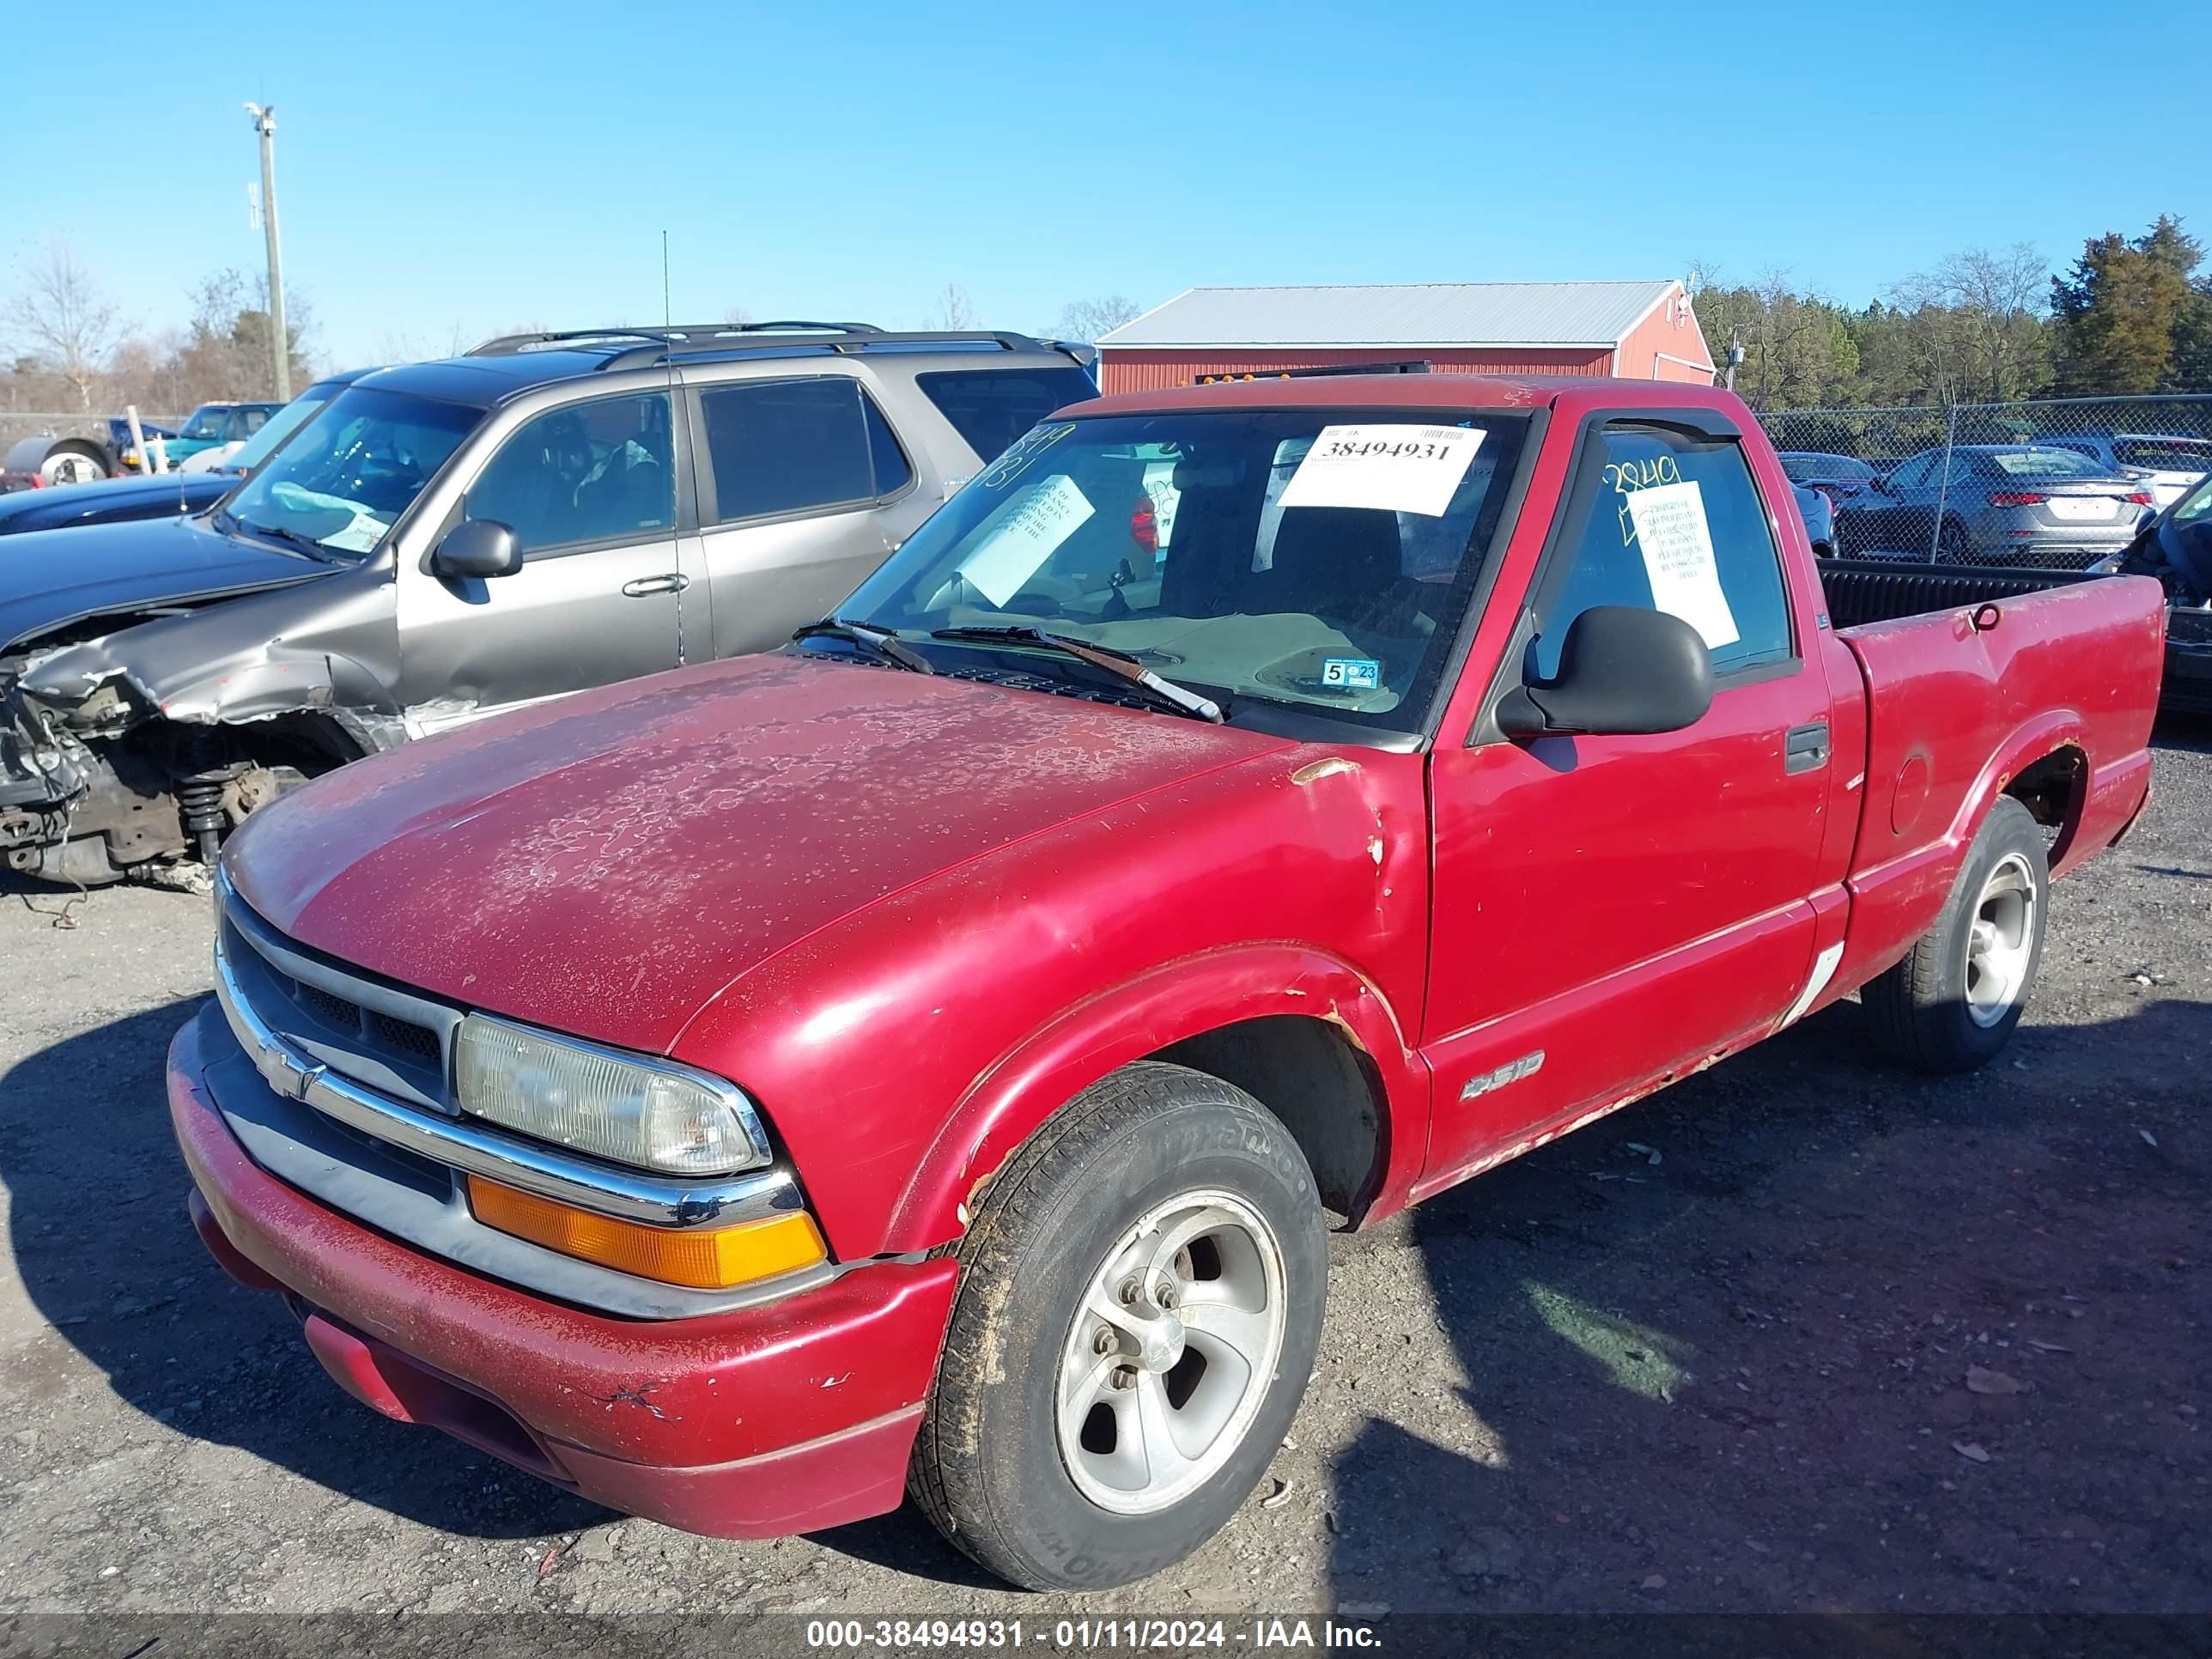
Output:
x,y
652,1114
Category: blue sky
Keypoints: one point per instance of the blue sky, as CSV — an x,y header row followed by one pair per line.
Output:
x,y
447,170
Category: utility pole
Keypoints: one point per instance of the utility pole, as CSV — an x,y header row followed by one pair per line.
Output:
x,y
280,337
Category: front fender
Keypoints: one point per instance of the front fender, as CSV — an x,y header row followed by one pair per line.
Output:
x,y
276,679
1167,1005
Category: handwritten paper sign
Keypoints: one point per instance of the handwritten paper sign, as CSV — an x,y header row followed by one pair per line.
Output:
x,y
1042,517
1677,545
1398,469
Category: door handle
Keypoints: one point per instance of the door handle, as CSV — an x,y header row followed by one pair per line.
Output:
x,y
674,582
1806,748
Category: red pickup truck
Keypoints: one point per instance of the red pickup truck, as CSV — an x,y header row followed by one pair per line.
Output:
x,y
927,1058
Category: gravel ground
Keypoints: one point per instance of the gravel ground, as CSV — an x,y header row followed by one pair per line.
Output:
x,y
1798,1334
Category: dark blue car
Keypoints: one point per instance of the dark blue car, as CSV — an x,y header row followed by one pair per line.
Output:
x,y
164,495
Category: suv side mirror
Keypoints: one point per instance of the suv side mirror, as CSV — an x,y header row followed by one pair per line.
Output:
x,y
1623,671
476,547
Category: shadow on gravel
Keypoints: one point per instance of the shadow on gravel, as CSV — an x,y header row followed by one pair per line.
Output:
x,y
1733,1377
97,1214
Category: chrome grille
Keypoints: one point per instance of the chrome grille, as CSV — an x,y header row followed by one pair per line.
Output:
x,y
375,1034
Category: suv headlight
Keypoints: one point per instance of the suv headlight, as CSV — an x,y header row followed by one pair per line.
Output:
x,y
653,1114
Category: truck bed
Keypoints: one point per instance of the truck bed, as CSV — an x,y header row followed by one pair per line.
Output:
x,y
1862,591
2052,691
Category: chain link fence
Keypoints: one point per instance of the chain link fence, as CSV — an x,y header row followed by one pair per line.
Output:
x,y
2054,485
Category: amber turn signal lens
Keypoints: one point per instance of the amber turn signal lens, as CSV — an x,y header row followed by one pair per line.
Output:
x,y
702,1258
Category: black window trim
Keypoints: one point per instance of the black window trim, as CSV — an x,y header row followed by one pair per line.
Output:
x,y
1707,426
710,519
683,524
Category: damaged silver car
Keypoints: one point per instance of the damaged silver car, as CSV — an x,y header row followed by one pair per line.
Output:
x,y
447,540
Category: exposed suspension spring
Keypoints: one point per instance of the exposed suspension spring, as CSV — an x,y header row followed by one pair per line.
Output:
x,y
199,798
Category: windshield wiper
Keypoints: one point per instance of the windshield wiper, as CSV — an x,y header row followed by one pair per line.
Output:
x,y
886,644
1119,664
307,545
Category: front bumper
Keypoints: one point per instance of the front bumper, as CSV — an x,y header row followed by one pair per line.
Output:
x,y
785,1418
2188,684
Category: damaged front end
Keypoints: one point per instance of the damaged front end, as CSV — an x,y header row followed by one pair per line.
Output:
x,y
95,789
110,766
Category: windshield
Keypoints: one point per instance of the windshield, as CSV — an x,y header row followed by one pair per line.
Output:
x,y
2197,504
279,426
2044,464
206,421
2190,455
1805,467
1316,559
353,469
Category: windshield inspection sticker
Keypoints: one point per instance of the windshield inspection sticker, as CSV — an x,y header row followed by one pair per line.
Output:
x,y
1677,545
1042,517
1399,469
1350,673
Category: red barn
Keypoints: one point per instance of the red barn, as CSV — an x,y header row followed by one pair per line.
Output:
x,y
1644,331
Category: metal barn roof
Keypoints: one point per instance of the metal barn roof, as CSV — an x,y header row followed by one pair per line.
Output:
x,y
1595,314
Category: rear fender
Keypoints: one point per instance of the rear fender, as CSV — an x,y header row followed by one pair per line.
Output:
x,y
1168,1005
1895,903
2044,735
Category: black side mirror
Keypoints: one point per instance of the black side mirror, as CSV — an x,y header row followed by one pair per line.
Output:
x,y
1623,671
476,547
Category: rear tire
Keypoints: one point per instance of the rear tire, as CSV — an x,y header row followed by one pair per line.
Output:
x,y
1140,1308
73,463
1953,1002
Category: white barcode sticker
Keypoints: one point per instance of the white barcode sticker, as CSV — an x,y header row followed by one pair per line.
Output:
x,y
1397,468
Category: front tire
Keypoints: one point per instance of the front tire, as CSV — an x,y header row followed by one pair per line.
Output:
x,y
1140,1308
1952,1005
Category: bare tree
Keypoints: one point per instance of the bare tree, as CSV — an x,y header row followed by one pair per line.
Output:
x,y
1987,305
1086,319
62,315
738,316
407,345
954,310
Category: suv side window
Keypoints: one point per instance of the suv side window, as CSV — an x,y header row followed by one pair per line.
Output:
x,y
586,474
1709,494
991,407
778,447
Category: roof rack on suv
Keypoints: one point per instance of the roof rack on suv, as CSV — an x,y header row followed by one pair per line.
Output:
x,y
667,333
678,341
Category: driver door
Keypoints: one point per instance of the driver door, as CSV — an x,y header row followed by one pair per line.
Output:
x,y
591,491
1608,910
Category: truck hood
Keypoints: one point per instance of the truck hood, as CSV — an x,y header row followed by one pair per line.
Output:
x,y
607,865
51,578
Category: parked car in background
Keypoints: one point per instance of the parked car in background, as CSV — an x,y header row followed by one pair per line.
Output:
x,y
1840,477
121,445
2168,463
2176,548
1820,516
165,494
52,460
217,427
2007,504
928,1060
443,540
